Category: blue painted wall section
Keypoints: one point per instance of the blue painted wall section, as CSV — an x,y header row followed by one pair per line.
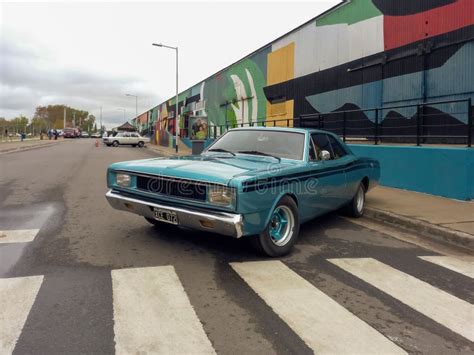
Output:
x,y
447,172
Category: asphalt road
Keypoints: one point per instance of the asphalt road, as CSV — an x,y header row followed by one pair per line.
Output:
x,y
345,286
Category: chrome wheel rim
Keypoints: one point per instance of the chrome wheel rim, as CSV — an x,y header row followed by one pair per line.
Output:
x,y
281,225
360,199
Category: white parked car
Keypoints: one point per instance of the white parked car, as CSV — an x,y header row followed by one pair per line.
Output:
x,y
126,138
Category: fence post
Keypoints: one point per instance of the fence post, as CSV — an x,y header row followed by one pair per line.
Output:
x,y
215,132
469,123
376,138
344,126
274,123
418,125
288,122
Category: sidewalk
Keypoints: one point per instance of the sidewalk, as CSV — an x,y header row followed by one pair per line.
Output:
x,y
16,146
446,220
165,151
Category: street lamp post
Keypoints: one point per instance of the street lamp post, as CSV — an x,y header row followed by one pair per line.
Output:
x,y
122,109
176,128
136,105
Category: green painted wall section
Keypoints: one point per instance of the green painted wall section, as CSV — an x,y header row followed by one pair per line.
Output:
x,y
350,13
220,89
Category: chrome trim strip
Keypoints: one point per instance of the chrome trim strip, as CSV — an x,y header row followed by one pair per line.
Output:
x,y
171,178
225,223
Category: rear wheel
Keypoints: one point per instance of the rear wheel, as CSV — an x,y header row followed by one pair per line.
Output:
x,y
282,230
115,143
355,208
140,144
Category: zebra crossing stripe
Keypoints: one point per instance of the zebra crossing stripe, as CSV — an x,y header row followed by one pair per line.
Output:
x,y
18,236
152,314
450,311
17,296
461,264
324,325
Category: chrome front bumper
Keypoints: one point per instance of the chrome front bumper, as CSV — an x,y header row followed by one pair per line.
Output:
x,y
223,223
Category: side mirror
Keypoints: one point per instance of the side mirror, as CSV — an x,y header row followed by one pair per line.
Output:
x,y
324,155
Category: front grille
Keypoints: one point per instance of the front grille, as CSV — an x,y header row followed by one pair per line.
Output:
x,y
172,187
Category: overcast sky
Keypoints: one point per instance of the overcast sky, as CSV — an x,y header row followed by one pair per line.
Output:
x,y
88,55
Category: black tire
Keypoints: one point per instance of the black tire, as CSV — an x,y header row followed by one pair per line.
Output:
x,y
267,244
355,208
115,143
140,144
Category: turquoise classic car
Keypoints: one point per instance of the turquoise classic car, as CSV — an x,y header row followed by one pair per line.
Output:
x,y
257,182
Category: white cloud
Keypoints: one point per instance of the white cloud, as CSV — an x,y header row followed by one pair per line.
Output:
x,y
89,54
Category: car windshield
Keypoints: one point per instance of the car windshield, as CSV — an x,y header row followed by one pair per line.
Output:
x,y
281,144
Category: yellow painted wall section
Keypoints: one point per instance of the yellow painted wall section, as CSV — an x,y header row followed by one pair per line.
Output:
x,y
280,68
281,64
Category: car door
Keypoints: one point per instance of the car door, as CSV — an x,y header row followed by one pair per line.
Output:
x,y
134,138
347,160
331,175
125,138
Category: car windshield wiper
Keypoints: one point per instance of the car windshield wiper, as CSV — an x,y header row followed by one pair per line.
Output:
x,y
221,151
256,152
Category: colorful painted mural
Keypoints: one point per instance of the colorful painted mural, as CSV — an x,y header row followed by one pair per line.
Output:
x,y
359,54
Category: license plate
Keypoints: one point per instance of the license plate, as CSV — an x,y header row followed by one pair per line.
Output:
x,y
166,216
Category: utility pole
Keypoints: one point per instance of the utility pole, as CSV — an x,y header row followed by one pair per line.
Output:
x,y
101,120
136,106
74,118
64,118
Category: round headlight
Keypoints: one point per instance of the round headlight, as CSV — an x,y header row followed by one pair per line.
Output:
x,y
123,180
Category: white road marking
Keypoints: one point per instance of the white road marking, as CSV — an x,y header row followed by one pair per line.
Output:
x,y
17,296
461,264
152,314
450,311
18,236
324,325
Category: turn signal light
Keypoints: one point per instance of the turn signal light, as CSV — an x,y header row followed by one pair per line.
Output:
x,y
206,224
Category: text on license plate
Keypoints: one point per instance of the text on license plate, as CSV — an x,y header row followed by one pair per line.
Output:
x,y
166,216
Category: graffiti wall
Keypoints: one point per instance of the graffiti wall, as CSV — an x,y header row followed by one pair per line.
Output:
x,y
360,54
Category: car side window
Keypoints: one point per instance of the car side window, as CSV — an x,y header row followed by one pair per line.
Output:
x,y
134,135
321,142
126,134
337,148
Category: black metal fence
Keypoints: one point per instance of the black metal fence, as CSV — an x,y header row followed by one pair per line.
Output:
x,y
441,122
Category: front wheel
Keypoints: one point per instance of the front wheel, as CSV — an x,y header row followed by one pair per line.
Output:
x,y
282,230
355,208
115,143
140,144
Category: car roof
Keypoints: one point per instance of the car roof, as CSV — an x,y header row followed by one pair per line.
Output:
x,y
283,129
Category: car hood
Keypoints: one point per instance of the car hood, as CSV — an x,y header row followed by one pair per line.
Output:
x,y
214,169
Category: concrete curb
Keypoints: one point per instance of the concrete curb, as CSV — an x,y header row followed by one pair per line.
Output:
x,y
24,149
424,229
